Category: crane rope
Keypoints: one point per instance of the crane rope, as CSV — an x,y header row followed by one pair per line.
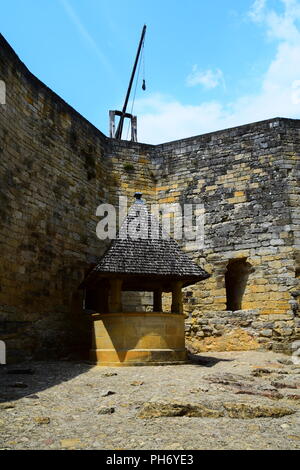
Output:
x,y
142,60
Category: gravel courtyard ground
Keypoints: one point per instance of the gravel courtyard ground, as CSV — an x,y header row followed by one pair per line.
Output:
x,y
228,400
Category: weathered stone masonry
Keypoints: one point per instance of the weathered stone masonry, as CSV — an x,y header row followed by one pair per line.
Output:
x,y
56,168
248,180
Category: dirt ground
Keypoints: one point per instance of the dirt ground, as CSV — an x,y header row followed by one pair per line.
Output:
x,y
226,400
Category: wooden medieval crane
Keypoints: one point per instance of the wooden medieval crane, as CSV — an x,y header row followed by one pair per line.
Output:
x,y
117,133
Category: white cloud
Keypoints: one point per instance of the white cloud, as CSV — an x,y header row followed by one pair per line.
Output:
x,y
209,79
257,10
279,26
296,92
163,118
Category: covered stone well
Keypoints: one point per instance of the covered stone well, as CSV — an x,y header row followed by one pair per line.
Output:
x,y
141,258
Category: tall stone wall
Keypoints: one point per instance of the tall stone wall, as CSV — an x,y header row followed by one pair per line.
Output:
x,y
247,178
56,168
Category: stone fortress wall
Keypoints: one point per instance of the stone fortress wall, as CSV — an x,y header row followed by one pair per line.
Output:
x,y
248,180
56,168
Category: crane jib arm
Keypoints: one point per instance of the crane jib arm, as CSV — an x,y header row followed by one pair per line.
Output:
x,y
118,134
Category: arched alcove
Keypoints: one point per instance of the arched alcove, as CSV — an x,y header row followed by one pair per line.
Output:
x,y
236,278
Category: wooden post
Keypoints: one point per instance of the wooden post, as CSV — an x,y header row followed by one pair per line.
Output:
x,y
133,129
177,297
157,300
112,127
115,304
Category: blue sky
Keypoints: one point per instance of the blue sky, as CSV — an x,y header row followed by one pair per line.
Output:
x,y
209,65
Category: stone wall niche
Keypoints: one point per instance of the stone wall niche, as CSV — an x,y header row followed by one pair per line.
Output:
x,y
236,277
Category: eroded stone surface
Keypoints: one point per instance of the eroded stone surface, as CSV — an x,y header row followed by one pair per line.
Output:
x,y
197,410
248,410
216,410
69,394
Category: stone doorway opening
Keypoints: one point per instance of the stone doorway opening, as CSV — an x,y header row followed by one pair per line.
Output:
x,y
236,278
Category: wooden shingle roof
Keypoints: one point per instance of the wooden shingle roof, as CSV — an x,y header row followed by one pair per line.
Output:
x,y
143,248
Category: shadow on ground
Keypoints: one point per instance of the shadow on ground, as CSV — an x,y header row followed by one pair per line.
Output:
x,y
206,361
29,378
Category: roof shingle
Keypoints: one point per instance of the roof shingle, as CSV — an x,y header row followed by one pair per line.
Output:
x,y
142,247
